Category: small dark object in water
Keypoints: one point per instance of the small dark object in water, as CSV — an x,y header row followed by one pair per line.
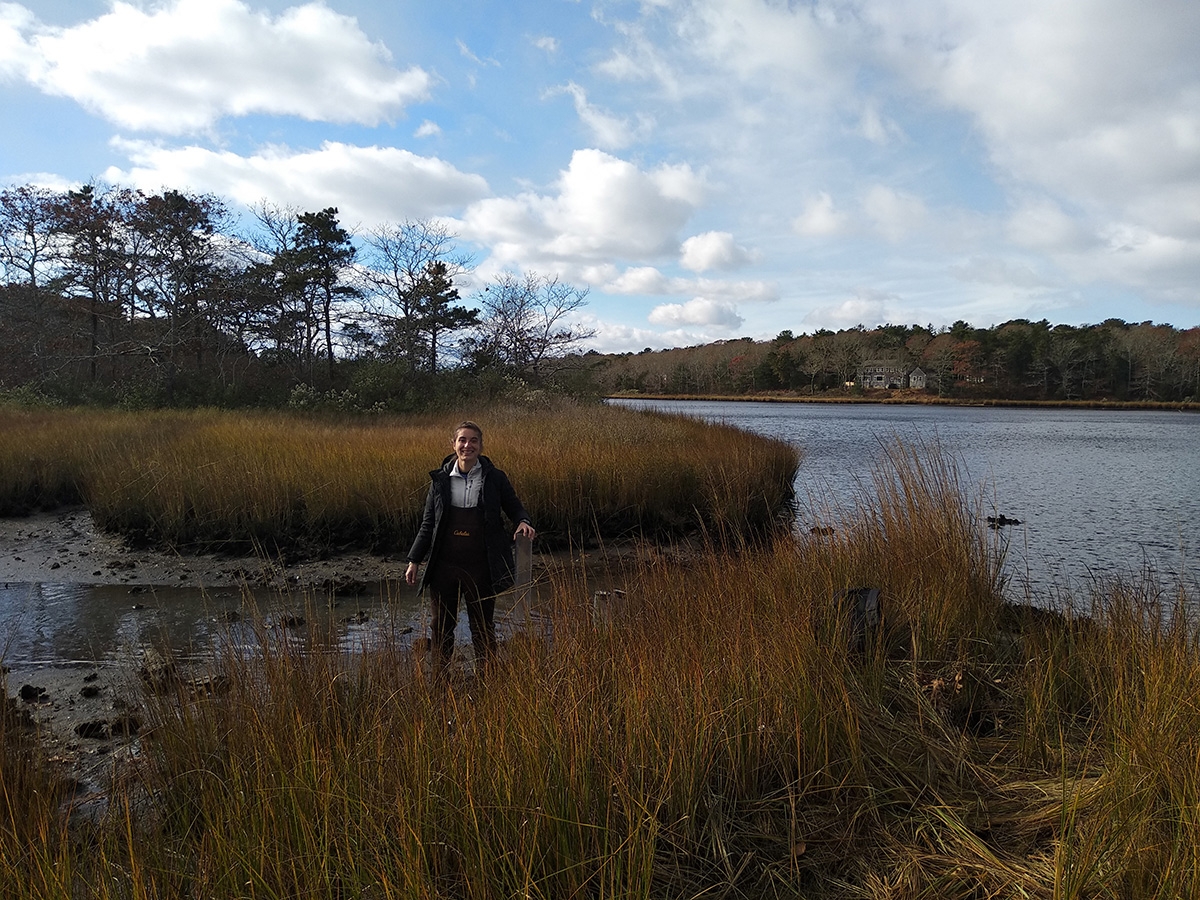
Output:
x,y
1001,521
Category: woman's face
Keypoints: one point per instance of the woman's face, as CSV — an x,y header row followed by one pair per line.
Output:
x,y
467,446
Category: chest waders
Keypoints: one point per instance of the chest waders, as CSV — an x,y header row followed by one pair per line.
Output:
x,y
461,570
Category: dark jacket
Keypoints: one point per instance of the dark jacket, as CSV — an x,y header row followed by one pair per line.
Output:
x,y
498,496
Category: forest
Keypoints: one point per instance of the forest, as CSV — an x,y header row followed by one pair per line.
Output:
x,y
1016,360
113,296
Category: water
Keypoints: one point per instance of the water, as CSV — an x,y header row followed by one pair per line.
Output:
x,y
87,625
1099,493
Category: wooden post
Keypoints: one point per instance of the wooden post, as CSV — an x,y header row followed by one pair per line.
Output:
x,y
524,580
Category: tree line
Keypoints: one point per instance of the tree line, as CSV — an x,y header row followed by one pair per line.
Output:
x,y
115,295
1016,360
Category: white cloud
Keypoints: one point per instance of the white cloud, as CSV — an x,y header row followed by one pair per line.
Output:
x,y
649,281
1094,103
877,128
427,129
991,270
468,53
869,308
16,54
713,250
789,46
614,337
1041,224
820,218
609,132
1099,102
604,208
367,184
896,215
547,44
699,311
180,66
640,280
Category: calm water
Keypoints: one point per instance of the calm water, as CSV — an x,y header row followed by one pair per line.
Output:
x,y
84,625
1099,493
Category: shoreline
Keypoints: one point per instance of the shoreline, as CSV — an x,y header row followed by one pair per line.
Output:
x,y
899,399
64,547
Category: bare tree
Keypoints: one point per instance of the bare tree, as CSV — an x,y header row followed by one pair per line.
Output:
x,y
402,261
29,225
527,321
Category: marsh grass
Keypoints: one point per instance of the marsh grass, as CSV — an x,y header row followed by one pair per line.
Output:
x,y
218,480
34,841
721,737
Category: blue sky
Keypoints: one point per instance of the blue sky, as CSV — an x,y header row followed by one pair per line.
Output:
x,y
707,168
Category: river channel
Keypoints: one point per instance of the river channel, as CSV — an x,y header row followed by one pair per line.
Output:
x,y
1099,494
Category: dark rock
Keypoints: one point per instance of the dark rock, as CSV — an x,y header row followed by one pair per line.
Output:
x,y
31,694
1001,521
89,690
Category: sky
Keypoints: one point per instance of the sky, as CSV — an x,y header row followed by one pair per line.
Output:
x,y
706,169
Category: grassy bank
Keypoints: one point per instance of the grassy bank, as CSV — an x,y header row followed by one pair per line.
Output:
x,y
721,738
208,479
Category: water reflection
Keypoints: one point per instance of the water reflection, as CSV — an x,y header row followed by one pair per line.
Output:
x,y
86,625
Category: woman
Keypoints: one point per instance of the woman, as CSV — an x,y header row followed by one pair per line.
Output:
x,y
463,536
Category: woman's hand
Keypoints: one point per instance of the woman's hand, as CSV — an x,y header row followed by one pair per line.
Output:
x,y
524,530
410,574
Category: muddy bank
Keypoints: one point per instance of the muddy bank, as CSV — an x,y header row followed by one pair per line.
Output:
x,y
65,547
86,712
84,705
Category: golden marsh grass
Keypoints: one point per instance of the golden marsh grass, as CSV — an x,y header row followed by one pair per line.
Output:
x,y
719,738
209,479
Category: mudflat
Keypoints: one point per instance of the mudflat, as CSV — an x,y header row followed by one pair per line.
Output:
x,y
87,717
65,547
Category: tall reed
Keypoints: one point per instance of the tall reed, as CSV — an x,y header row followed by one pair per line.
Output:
x,y
207,479
723,734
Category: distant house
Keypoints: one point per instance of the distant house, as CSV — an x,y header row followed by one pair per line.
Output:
x,y
917,379
881,373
